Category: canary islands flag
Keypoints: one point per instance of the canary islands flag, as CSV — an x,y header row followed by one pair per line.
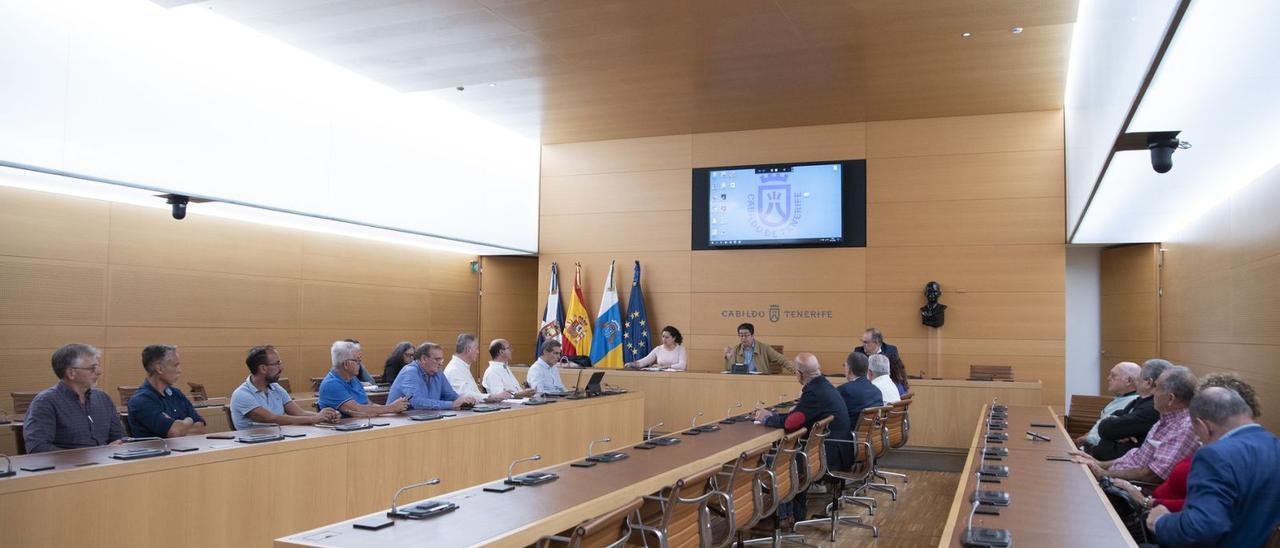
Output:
x,y
635,337
577,326
606,346
552,321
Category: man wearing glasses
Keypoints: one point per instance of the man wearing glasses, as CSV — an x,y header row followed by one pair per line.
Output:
x,y
543,376
72,414
422,383
261,400
341,389
757,357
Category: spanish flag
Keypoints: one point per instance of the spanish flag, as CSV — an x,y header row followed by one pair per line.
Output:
x,y
606,346
577,325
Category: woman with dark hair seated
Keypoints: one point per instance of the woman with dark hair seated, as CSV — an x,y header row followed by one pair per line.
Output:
x,y
397,359
668,355
898,374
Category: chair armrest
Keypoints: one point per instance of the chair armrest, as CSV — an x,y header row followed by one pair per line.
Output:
x,y
546,540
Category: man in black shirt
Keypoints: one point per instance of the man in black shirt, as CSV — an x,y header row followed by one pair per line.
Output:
x,y
1128,428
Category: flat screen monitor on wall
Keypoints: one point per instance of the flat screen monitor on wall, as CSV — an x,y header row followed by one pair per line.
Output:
x,y
812,204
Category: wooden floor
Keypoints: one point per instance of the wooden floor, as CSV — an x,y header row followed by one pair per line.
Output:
x,y
915,519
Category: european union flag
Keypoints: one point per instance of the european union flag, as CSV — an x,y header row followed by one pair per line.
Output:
x,y
635,336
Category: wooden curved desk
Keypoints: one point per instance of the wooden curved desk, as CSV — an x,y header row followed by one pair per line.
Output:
x,y
233,494
942,411
522,516
1052,503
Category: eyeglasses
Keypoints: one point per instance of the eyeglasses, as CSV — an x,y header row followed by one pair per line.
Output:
x,y
94,368
361,362
274,364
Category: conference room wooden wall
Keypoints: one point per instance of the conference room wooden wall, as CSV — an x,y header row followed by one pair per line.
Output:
x,y
975,203
509,306
1221,305
120,277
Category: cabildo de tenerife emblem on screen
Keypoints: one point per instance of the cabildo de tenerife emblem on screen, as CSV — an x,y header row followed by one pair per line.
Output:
x,y
775,209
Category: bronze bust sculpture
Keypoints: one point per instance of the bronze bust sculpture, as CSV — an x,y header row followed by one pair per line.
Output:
x,y
933,313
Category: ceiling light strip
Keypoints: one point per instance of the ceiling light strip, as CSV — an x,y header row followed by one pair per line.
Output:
x,y
1174,23
159,190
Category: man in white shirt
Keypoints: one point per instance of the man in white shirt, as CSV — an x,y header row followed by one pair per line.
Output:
x,y
543,374
466,351
878,372
1123,383
498,377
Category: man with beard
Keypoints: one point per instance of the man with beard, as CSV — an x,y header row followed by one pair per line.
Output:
x,y
261,400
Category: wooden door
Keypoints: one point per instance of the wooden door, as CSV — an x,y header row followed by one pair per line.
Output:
x,y
1130,292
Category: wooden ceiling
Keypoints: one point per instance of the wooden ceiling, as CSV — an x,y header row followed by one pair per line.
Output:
x,y
580,70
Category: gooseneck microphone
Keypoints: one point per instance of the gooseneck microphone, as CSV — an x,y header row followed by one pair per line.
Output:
x,y
648,434
605,439
694,422
396,496
518,461
8,467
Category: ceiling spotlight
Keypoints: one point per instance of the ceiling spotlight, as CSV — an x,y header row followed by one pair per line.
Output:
x,y
1016,30
460,88
966,34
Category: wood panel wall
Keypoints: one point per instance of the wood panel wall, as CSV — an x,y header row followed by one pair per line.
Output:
x,y
1130,306
509,306
975,203
1221,305
121,277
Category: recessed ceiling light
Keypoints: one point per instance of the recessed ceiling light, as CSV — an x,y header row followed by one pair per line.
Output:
x,y
966,34
460,88
1016,30
493,84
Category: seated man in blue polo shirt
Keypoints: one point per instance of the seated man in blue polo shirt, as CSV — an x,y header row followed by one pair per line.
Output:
x,y
422,383
341,388
158,409
261,399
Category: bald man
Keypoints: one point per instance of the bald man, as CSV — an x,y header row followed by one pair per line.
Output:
x,y
818,400
1122,383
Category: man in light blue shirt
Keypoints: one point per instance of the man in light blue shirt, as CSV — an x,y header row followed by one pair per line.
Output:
x,y
423,385
261,400
543,375
341,388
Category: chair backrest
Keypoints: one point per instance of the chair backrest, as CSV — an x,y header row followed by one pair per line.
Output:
x,y
21,401
124,420
126,392
784,466
871,429
608,529
1084,412
685,519
743,488
315,384
815,459
198,393
231,425
992,372
284,383
897,423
